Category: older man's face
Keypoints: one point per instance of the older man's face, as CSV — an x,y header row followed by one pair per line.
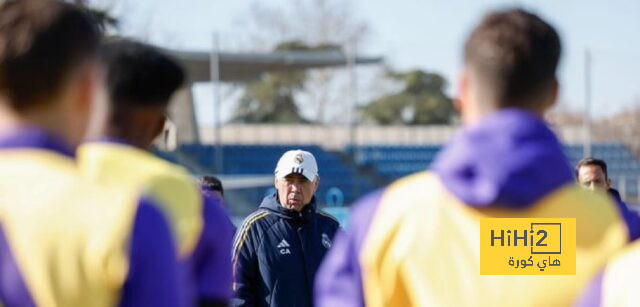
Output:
x,y
593,178
295,191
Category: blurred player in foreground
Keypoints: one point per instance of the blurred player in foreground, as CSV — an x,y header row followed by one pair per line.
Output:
x,y
416,242
140,82
64,242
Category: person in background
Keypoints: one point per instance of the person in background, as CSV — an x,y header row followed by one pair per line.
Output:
x,y
591,174
278,249
212,185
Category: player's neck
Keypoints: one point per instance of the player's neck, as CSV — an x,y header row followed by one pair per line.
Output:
x,y
127,136
50,120
478,115
135,126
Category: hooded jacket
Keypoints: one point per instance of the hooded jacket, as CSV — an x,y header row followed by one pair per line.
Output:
x,y
416,242
277,252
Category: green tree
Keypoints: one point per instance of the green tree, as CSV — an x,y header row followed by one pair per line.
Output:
x,y
271,99
421,101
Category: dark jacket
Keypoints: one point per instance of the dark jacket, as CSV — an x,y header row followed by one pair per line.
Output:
x,y
277,252
631,217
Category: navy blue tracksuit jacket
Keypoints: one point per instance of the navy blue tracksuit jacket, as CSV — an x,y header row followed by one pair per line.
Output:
x,y
277,252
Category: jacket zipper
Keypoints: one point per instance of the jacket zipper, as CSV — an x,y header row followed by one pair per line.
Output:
x,y
304,260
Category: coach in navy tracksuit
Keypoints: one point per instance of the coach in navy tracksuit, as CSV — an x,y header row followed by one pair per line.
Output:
x,y
279,248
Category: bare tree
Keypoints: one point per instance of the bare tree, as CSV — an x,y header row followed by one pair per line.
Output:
x,y
315,23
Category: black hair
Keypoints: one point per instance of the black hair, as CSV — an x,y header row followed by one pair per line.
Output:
x,y
140,75
41,42
211,183
592,161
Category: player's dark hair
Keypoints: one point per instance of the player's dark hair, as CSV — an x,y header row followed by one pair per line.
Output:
x,y
41,42
211,183
592,161
139,74
515,54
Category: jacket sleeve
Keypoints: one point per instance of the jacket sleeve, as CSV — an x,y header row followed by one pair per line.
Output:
x,y
245,265
211,261
339,280
153,271
591,296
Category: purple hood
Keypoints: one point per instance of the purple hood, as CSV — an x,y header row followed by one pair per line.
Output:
x,y
510,158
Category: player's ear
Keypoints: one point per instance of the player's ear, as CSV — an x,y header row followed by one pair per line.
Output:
x,y
98,104
83,97
462,96
88,85
158,125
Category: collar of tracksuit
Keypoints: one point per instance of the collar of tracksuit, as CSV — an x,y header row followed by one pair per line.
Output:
x,y
33,137
272,204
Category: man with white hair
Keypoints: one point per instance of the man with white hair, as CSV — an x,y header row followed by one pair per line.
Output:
x,y
279,248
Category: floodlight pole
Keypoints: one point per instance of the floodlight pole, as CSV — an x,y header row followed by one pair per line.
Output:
x,y
352,53
587,103
353,95
217,102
